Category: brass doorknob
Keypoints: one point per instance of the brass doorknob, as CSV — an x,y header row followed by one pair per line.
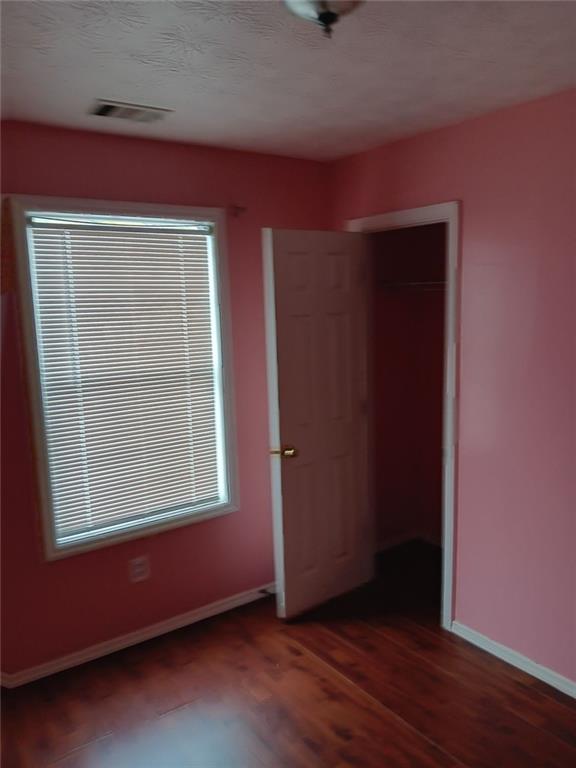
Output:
x,y
287,452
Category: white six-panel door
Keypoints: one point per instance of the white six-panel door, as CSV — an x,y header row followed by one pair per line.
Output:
x,y
316,322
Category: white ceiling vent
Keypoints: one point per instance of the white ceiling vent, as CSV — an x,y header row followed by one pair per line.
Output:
x,y
138,113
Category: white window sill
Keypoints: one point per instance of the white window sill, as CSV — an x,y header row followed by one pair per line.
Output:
x,y
55,552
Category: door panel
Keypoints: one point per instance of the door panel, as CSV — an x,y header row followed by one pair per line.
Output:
x,y
316,316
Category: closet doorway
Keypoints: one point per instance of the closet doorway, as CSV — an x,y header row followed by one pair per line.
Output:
x,y
412,354
406,352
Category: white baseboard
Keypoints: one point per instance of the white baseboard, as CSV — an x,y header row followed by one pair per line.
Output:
x,y
515,659
14,679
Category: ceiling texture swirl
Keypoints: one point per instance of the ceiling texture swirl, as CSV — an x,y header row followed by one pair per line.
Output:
x,y
250,75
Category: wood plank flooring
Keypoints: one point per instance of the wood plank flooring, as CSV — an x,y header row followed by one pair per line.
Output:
x,y
369,681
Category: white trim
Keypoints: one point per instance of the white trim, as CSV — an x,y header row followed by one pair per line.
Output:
x,y
20,204
274,416
88,205
516,659
409,217
448,213
14,679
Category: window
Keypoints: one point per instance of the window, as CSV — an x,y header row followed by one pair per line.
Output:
x,y
125,332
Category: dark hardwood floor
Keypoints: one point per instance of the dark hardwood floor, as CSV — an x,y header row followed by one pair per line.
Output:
x,y
368,681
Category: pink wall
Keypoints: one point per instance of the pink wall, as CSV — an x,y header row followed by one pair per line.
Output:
x,y
51,609
514,172
516,529
408,373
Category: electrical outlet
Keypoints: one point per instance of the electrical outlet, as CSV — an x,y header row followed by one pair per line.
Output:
x,y
139,568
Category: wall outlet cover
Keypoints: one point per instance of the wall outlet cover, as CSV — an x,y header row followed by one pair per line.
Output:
x,y
139,568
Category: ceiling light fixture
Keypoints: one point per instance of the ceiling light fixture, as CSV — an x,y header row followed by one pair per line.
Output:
x,y
326,14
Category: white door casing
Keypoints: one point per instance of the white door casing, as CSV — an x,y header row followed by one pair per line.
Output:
x,y
316,326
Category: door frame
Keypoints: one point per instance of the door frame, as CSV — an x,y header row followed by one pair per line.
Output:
x,y
449,214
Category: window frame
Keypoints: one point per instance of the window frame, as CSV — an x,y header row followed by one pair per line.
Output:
x,y
20,206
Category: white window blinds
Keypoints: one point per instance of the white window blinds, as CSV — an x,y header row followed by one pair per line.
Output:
x,y
127,324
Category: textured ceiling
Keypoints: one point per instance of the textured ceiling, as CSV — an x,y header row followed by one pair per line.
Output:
x,y
252,76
